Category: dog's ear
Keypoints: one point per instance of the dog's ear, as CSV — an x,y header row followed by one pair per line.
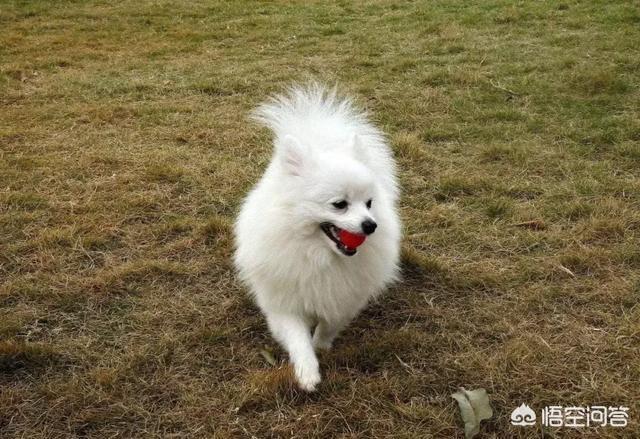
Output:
x,y
294,156
358,148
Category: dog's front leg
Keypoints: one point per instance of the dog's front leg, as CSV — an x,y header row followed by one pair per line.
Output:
x,y
294,334
327,331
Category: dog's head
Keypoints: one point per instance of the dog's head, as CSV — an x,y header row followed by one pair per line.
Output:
x,y
333,192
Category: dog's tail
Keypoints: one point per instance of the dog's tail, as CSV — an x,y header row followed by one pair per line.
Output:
x,y
301,104
315,111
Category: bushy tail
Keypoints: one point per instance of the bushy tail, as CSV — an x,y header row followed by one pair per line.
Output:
x,y
312,111
287,113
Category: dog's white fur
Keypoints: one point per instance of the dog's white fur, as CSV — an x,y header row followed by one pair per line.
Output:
x,y
325,150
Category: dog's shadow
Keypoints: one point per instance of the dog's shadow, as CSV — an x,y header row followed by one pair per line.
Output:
x,y
410,322
403,332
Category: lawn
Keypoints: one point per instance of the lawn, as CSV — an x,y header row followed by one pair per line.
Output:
x,y
125,151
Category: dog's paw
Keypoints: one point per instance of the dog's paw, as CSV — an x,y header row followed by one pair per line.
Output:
x,y
308,376
319,344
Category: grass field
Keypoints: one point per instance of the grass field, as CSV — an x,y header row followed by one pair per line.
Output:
x,y
125,151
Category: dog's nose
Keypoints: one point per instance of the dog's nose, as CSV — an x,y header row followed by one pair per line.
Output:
x,y
368,227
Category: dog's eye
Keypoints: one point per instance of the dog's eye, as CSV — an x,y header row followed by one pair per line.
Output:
x,y
342,204
369,204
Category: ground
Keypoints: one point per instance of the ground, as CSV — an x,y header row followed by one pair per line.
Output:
x,y
125,150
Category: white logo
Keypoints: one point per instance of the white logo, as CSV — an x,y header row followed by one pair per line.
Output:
x,y
573,417
523,416
590,416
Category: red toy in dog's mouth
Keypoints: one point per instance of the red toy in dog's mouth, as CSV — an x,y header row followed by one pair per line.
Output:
x,y
347,242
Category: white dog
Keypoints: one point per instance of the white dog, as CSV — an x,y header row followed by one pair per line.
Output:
x,y
305,241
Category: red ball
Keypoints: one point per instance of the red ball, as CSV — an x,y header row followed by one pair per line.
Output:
x,y
351,240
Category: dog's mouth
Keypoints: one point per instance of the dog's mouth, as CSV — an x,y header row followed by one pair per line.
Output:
x,y
339,236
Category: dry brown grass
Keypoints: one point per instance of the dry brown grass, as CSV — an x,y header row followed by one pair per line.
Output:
x,y
125,151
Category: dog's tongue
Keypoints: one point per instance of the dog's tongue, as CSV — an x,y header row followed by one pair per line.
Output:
x,y
351,240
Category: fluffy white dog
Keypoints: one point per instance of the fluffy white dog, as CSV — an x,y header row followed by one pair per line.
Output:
x,y
318,236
